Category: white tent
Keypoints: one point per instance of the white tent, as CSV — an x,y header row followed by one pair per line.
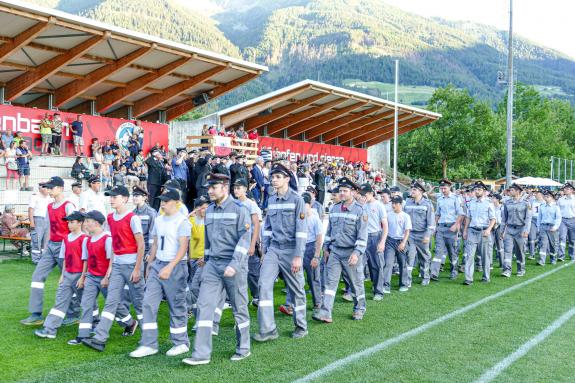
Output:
x,y
536,181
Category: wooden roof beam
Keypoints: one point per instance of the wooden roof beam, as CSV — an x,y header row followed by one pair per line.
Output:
x,y
384,130
293,119
148,103
114,96
18,42
403,130
69,91
332,125
19,85
185,106
349,131
309,124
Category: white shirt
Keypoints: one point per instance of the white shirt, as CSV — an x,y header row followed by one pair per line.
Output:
x,y
167,232
40,203
75,199
90,200
567,206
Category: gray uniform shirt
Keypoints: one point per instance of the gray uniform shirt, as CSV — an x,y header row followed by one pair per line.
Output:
x,y
421,214
347,228
517,213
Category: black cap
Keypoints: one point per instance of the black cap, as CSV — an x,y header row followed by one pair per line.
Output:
x,y
394,189
139,191
306,197
516,187
203,200
171,184
93,179
497,196
568,185
53,182
417,185
279,168
217,178
345,182
75,216
96,216
335,190
311,189
385,191
77,185
548,192
118,190
479,185
365,188
445,182
396,199
169,195
240,182
180,150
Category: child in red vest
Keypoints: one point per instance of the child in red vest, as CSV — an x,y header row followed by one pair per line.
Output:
x,y
71,281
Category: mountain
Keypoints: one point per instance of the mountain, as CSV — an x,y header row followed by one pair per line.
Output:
x,y
349,43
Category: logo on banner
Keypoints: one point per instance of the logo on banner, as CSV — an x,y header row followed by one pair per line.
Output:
x,y
123,134
222,145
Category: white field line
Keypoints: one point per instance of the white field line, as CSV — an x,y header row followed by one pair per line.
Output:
x,y
418,330
496,370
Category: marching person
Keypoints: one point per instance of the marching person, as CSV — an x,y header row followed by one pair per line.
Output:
x,y
420,211
72,279
399,226
312,252
497,234
227,238
315,203
147,218
39,224
548,221
240,190
196,250
448,218
167,277
516,222
92,198
479,221
283,248
536,201
567,230
128,245
344,246
96,274
57,211
376,237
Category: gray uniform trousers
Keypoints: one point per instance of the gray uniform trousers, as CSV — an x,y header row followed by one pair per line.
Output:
x,y
39,237
190,299
92,287
446,242
254,264
276,260
498,244
476,242
391,254
64,294
215,284
313,277
514,243
375,262
46,264
336,263
174,289
118,279
417,247
566,237
533,237
195,292
548,242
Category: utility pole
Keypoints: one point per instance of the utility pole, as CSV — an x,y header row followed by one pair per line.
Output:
x,y
395,125
509,165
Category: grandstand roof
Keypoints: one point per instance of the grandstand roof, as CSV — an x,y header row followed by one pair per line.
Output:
x,y
51,55
319,112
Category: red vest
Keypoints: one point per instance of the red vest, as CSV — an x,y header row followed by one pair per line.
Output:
x,y
58,227
97,261
73,254
123,240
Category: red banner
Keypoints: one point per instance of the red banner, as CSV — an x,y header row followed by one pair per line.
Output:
x,y
317,152
27,121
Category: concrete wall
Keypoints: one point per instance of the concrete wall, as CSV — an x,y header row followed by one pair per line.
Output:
x,y
380,155
179,130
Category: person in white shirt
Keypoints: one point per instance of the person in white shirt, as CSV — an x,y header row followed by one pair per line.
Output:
x,y
39,224
399,227
567,230
92,199
74,197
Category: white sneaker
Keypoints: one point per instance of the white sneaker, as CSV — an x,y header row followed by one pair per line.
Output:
x,y
227,306
178,350
143,351
403,289
386,291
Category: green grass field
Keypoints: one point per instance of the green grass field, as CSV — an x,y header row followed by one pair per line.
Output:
x,y
459,349
408,94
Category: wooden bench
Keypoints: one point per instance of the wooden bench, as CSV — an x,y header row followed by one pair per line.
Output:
x,y
22,240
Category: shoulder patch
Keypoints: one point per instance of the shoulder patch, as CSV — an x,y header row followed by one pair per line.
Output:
x,y
247,226
302,216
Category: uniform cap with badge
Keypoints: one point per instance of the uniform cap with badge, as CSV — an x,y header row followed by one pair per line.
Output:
x,y
478,185
345,182
96,216
365,188
75,216
118,190
139,191
202,200
240,182
54,182
278,168
417,185
516,187
169,195
445,182
216,178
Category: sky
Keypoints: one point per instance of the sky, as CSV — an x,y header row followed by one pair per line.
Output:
x,y
550,22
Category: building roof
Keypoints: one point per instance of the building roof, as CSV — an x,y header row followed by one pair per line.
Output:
x,y
47,52
320,112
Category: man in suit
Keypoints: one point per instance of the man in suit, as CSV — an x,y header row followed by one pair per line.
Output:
x,y
319,180
157,175
258,175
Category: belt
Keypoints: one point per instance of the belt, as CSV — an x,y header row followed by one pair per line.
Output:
x,y
376,233
515,226
478,228
345,248
446,224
